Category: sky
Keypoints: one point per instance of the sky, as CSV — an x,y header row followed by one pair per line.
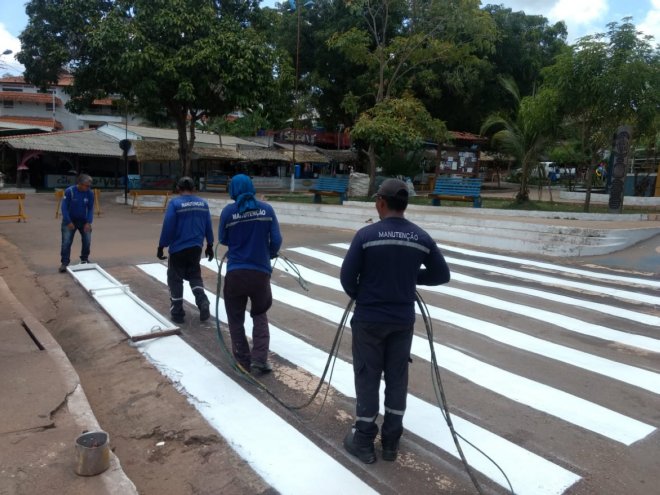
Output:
x,y
582,17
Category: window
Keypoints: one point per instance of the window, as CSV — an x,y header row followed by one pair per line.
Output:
x,y
49,107
8,104
15,90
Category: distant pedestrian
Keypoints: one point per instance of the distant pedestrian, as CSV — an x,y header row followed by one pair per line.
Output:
x,y
250,230
380,272
186,224
77,215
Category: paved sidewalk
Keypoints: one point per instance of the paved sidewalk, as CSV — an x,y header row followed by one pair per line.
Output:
x,y
44,409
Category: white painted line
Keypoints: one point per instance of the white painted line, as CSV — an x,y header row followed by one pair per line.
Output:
x,y
135,317
284,457
555,268
557,319
528,472
607,309
635,297
645,379
544,398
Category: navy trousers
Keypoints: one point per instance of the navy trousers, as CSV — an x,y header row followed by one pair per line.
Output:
x,y
378,349
239,286
184,265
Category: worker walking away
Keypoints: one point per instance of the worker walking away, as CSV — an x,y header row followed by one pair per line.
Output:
x,y
77,215
251,232
381,270
187,223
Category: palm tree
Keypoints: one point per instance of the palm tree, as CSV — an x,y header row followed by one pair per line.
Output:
x,y
522,137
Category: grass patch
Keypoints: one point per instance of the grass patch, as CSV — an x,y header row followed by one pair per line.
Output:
x,y
495,203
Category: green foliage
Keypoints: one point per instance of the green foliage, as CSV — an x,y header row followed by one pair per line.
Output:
x,y
248,125
398,124
192,58
526,134
604,81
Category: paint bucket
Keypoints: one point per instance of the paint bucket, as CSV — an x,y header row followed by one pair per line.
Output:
x,y
92,453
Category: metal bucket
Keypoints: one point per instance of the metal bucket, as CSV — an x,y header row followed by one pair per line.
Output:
x,y
92,453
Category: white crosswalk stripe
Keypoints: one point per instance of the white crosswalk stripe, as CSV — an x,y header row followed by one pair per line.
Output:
x,y
540,475
529,471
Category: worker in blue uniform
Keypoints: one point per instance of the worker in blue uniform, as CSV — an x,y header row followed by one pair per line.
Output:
x,y
251,232
380,272
186,224
77,215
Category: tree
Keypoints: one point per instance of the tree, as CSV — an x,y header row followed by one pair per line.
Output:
x,y
604,81
396,40
188,58
398,125
526,134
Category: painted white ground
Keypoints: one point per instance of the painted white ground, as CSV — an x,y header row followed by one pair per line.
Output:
x,y
257,433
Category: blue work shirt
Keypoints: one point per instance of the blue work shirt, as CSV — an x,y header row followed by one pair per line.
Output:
x,y
253,237
382,269
77,205
187,222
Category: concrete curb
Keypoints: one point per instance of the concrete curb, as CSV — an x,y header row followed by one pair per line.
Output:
x,y
114,480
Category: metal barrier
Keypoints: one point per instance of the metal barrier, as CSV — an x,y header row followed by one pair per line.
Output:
x,y
141,206
21,211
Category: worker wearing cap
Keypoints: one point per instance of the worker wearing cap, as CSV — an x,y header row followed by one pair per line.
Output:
x,y
186,224
381,270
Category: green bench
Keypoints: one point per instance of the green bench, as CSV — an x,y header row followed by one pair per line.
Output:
x,y
457,189
330,186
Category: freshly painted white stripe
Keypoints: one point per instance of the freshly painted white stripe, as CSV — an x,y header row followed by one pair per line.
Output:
x,y
607,309
274,448
557,319
556,268
644,318
636,297
645,379
528,472
528,392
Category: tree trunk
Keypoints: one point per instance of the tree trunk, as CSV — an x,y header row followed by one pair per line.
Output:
x,y
371,153
587,195
523,192
185,146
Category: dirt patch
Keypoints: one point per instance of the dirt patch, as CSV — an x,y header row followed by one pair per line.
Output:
x,y
164,445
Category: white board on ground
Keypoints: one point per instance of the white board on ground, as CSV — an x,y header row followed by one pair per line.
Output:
x,y
135,317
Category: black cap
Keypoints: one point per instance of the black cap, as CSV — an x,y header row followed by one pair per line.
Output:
x,y
393,188
185,184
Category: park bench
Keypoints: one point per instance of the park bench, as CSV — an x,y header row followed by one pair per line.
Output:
x,y
141,204
330,186
457,189
21,212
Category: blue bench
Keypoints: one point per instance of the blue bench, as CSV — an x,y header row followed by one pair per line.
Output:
x,y
457,189
330,186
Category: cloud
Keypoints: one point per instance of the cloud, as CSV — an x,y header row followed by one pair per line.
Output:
x,y
9,42
651,23
581,16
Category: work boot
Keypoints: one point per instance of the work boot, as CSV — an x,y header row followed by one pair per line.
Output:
x,y
366,453
62,268
263,367
178,318
390,449
204,312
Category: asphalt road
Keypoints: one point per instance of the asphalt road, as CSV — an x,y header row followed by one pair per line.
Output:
x,y
554,373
